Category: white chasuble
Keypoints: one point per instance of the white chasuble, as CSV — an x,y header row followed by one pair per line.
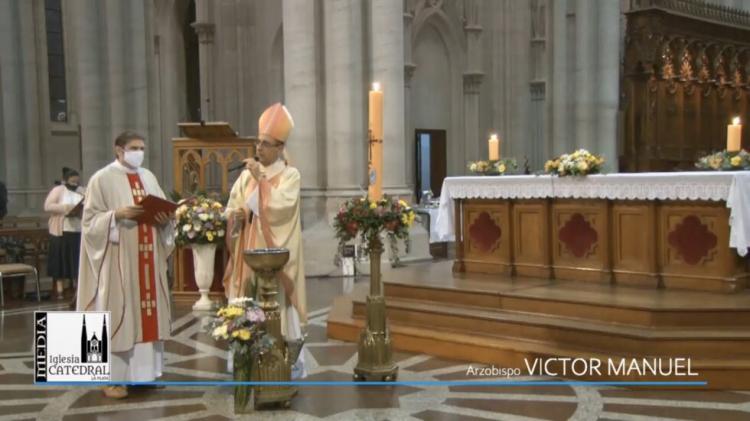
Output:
x,y
123,269
276,198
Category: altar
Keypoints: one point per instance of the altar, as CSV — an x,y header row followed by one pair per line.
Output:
x,y
619,266
683,230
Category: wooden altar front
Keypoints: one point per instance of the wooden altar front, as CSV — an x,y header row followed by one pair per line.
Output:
x,y
202,160
673,244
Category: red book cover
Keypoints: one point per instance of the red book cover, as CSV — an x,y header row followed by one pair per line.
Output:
x,y
152,206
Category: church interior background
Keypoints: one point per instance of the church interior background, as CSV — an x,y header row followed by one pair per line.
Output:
x,y
548,76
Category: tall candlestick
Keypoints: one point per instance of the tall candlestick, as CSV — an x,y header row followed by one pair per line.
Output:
x,y
734,136
494,145
375,173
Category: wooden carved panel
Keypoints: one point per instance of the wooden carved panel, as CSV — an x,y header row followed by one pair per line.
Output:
x,y
634,243
694,248
693,241
578,236
531,238
486,236
580,240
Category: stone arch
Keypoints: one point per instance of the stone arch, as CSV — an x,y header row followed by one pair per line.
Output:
x,y
431,25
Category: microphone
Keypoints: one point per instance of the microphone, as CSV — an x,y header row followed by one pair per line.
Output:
x,y
241,165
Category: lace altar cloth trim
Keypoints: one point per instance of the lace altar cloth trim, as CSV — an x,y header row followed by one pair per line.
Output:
x,y
731,187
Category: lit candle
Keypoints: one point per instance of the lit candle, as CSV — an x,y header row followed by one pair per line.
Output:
x,y
734,136
494,145
375,113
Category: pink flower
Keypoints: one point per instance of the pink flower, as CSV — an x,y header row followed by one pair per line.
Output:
x,y
256,315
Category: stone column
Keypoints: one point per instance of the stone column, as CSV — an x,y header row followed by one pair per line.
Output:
x,y
301,88
409,68
387,60
560,117
472,81
585,74
345,99
12,96
205,28
301,95
85,30
608,81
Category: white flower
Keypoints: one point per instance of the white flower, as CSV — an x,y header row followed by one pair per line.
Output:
x,y
221,233
197,227
239,300
203,217
187,227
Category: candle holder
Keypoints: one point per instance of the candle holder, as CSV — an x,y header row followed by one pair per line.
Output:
x,y
375,348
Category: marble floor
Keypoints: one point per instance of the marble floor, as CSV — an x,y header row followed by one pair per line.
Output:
x,y
192,355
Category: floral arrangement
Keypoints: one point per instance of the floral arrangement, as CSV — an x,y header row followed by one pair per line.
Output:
x,y
580,162
241,323
367,219
498,167
725,161
200,220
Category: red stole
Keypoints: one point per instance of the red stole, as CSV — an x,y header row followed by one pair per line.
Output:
x,y
146,272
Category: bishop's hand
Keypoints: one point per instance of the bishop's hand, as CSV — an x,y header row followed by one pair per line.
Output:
x,y
254,167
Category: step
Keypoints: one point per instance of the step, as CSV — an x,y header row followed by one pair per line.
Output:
x,y
676,342
721,373
627,306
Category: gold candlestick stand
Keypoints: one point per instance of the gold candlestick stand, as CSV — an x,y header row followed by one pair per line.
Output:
x,y
275,366
375,348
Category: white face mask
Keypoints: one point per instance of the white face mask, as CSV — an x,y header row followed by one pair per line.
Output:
x,y
134,158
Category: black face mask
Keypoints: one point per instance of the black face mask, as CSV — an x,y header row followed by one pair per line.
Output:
x,y
71,187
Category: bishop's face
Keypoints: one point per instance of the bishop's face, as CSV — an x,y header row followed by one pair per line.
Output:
x,y
269,151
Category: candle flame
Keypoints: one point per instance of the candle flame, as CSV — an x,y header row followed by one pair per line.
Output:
x,y
736,120
493,136
376,86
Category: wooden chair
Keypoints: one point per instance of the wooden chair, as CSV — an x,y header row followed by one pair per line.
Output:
x,y
8,270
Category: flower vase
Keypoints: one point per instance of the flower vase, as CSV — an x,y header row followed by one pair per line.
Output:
x,y
244,395
203,263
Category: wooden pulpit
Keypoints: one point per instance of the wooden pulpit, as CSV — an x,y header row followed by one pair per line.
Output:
x,y
203,158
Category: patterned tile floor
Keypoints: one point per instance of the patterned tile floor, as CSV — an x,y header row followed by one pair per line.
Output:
x,y
193,355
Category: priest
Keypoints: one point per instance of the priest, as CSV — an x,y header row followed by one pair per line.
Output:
x,y
264,212
123,264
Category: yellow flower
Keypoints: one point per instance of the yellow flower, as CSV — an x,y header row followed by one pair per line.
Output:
x,y
403,203
373,205
715,162
210,235
501,168
230,312
217,205
242,334
405,219
583,166
736,161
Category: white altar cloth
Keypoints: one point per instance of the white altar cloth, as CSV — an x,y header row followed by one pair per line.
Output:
x,y
731,187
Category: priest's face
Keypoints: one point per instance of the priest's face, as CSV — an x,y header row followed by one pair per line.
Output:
x,y
269,151
132,147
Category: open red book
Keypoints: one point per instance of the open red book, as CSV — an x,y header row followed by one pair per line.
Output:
x,y
152,206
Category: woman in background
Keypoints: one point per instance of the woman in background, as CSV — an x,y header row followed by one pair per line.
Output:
x,y
65,230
